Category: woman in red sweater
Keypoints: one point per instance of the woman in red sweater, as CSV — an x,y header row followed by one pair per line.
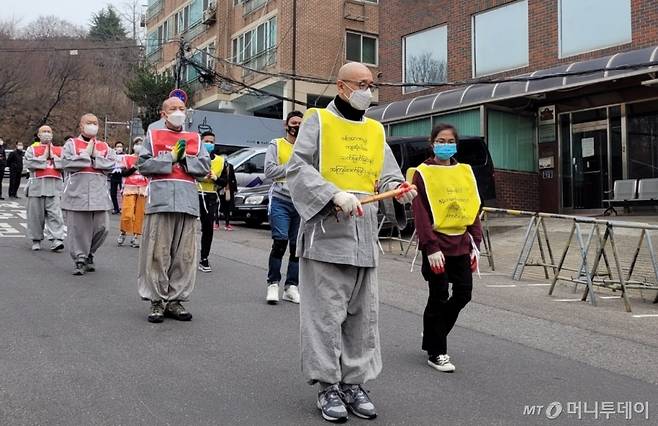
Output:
x,y
449,233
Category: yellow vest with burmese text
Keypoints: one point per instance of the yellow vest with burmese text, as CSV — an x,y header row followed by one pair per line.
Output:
x,y
216,166
453,196
284,152
351,152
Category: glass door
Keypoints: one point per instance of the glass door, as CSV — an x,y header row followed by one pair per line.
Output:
x,y
589,163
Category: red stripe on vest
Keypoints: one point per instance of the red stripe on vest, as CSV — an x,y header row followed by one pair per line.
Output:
x,y
163,140
50,171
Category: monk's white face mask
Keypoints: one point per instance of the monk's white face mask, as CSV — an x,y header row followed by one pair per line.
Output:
x,y
45,137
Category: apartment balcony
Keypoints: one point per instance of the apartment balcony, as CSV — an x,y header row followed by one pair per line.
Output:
x,y
259,62
194,31
250,6
155,56
154,10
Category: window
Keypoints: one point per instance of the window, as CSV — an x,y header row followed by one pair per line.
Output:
x,y
425,57
500,39
586,25
511,141
182,20
467,122
256,48
361,48
421,127
209,53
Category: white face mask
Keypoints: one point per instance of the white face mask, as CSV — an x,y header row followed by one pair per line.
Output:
x,y
360,99
45,136
137,149
176,118
19,147
90,130
118,149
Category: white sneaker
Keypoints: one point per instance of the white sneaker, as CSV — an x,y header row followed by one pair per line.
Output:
x,y
291,294
441,363
272,294
121,239
134,242
36,245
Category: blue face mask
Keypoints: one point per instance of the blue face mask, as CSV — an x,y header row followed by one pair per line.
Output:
x,y
210,147
445,151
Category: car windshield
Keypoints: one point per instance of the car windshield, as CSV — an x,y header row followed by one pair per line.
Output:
x,y
239,156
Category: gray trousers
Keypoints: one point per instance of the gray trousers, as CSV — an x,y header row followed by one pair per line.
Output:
x,y
167,257
86,231
44,211
339,309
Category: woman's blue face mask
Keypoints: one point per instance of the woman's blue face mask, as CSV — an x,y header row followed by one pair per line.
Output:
x,y
445,151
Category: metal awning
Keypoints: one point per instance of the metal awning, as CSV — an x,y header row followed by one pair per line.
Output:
x,y
619,65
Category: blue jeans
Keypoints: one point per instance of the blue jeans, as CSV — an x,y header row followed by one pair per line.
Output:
x,y
284,221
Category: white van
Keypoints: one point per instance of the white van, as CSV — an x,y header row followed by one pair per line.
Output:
x,y
249,166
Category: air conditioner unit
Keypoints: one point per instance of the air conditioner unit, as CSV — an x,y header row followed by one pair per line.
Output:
x,y
209,15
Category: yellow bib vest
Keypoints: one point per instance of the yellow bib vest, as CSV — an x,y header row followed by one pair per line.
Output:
x,y
453,196
284,152
351,152
216,166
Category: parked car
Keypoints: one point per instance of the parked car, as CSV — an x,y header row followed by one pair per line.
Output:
x,y
251,204
249,166
471,150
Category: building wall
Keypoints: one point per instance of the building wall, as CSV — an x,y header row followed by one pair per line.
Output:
x,y
321,28
517,190
457,14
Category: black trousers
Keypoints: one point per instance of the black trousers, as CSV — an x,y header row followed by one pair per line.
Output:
x,y
3,164
115,185
208,208
226,208
14,181
442,309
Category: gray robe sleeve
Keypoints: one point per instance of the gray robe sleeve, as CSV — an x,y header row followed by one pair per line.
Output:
x,y
33,162
390,178
149,165
310,192
198,165
273,169
71,161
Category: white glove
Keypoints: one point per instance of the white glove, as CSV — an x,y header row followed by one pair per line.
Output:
x,y
437,262
348,203
90,147
174,155
408,196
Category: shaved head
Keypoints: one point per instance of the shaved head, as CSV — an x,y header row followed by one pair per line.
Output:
x,y
172,104
351,77
88,119
354,71
45,129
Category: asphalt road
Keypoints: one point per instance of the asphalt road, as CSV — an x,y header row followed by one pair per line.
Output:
x,y
79,351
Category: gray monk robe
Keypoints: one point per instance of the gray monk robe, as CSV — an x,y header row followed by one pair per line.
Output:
x,y
44,189
168,253
86,198
338,278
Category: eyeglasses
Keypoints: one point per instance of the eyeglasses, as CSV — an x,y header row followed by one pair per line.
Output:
x,y
441,140
363,85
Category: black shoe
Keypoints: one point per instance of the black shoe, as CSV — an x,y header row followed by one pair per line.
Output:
x,y
157,312
176,311
1,197
89,263
79,268
331,404
358,402
204,266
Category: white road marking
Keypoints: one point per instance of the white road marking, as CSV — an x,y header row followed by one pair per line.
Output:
x,y
501,285
566,300
645,316
609,297
538,285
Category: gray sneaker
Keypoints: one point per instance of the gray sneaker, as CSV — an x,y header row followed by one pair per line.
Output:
x,y
36,245
157,312
89,264
56,245
79,268
358,402
331,405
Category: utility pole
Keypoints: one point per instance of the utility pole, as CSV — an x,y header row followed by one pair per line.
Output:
x,y
294,53
180,60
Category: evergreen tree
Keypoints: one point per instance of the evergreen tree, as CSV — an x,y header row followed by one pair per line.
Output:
x,y
148,90
106,26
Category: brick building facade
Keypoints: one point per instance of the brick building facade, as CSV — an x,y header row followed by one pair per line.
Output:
x,y
255,37
604,119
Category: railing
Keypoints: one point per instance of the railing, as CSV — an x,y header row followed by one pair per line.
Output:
x,y
155,56
252,5
154,9
260,61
